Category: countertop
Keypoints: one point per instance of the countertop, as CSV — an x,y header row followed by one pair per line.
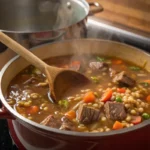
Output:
x,y
131,14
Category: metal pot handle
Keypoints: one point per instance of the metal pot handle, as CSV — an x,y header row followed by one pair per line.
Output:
x,y
98,8
4,114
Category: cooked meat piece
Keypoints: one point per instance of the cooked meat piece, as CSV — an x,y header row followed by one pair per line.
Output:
x,y
67,124
123,78
112,72
115,111
51,121
98,66
88,114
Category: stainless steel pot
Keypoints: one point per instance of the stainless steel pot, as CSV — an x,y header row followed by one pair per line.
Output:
x,y
34,136
34,22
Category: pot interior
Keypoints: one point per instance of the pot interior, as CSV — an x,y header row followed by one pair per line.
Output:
x,y
74,47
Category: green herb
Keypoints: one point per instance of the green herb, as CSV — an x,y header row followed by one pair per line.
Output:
x,y
95,79
64,103
145,84
135,68
101,59
118,99
145,116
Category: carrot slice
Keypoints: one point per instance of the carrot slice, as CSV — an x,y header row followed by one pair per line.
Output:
x,y
106,96
71,114
89,97
75,62
121,90
117,125
117,61
147,81
148,98
33,110
136,119
75,65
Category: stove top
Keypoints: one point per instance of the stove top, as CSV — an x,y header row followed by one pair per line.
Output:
x,y
6,142
96,29
99,29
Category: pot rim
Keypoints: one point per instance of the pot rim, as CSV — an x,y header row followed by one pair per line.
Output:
x,y
81,3
62,132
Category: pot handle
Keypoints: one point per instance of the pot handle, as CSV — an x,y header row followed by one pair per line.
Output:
x,y
98,7
4,114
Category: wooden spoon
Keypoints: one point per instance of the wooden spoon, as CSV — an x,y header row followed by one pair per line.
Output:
x,y
60,80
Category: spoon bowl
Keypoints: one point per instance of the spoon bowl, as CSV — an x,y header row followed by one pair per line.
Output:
x,y
63,81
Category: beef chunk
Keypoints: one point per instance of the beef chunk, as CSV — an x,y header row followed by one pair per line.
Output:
x,y
67,124
88,114
123,78
98,66
64,124
51,121
115,111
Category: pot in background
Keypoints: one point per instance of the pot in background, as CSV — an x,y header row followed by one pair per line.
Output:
x,y
34,22
34,136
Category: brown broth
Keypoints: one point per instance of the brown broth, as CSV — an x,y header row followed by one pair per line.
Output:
x,y
23,94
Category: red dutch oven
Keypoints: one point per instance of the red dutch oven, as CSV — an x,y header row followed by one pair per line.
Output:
x,y
34,136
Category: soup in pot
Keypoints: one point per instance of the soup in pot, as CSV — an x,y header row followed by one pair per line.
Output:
x,y
119,96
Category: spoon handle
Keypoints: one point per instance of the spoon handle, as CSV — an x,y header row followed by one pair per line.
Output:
x,y
22,51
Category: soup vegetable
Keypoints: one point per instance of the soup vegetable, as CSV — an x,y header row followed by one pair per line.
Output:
x,y
119,96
